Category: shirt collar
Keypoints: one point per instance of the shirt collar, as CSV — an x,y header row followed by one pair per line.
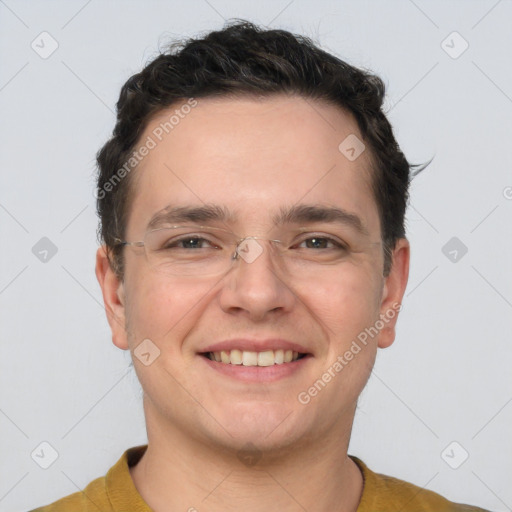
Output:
x,y
121,490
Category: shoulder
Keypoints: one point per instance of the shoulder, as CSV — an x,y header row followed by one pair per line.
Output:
x,y
114,491
92,497
386,493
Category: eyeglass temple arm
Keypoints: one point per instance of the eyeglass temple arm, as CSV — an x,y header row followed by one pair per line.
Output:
x,y
118,241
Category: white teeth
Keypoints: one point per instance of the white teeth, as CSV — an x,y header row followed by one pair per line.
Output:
x,y
249,358
224,356
236,357
266,358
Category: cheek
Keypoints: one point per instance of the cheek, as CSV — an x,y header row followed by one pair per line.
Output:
x,y
157,310
348,301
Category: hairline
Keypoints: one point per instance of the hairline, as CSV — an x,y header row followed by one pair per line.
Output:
x,y
371,171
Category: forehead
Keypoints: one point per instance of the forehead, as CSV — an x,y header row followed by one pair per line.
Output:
x,y
252,156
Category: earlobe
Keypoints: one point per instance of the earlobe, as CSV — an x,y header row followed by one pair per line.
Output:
x,y
393,292
112,289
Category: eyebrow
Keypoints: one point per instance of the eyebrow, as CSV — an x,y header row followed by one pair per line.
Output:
x,y
297,214
307,214
207,213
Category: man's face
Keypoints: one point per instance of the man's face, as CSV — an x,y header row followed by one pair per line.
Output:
x,y
256,159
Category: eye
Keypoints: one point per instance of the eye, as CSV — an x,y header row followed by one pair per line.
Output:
x,y
189,242
322,242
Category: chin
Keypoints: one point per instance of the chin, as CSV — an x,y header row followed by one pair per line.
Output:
x,y
258,444
268,427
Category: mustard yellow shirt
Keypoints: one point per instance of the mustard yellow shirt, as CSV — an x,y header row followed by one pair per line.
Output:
x,y
116,492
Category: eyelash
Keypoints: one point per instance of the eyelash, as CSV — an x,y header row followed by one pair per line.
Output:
x,y
330,240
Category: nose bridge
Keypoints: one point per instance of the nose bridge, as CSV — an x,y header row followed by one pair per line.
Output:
x,y
254,281
250,248
258,254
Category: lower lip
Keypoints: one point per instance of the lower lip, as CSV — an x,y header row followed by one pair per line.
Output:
x,y
258,373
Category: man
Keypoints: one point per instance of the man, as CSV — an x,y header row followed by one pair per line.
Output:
x,y
254,258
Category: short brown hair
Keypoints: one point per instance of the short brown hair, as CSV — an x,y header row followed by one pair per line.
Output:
x,y
245,59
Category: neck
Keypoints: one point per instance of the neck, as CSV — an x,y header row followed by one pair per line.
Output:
x,y
178,472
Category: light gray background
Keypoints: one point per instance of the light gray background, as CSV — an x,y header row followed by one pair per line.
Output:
x,y
448,375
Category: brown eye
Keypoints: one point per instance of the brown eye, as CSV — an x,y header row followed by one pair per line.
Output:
x,y
317,243
187,242
321,242
191,243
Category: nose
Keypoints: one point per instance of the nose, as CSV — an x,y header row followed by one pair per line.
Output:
x,y
256,286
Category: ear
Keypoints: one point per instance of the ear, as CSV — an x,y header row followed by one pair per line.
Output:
x,y
393,292
112,289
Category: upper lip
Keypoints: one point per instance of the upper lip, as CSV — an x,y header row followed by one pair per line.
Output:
x,y
252,345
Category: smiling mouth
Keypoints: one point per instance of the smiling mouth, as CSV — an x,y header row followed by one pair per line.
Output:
x,y
247,358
